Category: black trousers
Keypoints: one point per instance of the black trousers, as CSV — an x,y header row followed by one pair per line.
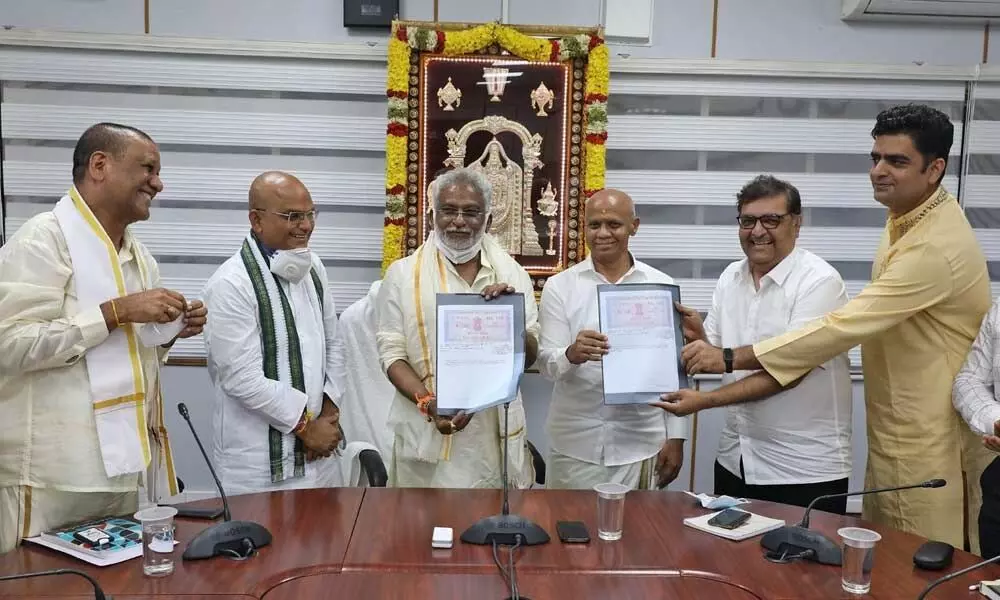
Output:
x,y
989,514
797,494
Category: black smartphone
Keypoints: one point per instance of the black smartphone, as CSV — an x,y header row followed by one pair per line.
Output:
x,y
572,532
731,518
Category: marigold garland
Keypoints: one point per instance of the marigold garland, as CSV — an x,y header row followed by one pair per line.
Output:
x,y
405,40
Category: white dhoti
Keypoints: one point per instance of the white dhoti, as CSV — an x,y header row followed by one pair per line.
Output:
x,y
566,473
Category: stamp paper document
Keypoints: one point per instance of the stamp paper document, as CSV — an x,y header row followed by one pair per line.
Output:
x,y
645,336
480,351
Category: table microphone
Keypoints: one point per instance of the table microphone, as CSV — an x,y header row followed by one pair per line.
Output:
x,y
951,576
98,592
238,539
505,529
798,541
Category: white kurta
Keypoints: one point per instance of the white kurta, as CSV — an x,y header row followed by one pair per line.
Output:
x,y
367,392
580,425
247,404
472,457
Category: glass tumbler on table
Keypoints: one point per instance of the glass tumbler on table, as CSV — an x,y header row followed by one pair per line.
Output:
x,y
858,554
157,540
610,510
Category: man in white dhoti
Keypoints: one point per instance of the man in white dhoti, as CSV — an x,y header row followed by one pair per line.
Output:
x,y
270,350
591,442
367,393
84,327
430,450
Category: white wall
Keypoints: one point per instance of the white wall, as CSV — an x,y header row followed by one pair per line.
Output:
x,y
805,30
783,30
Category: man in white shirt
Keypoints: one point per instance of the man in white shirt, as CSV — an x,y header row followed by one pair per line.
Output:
x,y
270,350
591,442
367,394
795,445
974,397
431,450
82,427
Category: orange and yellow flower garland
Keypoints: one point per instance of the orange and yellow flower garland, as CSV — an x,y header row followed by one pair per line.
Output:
x,y
405,40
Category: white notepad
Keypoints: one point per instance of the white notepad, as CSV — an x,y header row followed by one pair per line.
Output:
x,y
755,525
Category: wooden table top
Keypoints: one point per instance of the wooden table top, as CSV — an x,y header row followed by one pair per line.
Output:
x,y
536,586
366,539
311,530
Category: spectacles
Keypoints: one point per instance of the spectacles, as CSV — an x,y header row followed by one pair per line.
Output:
x,y
293,217
451,213
767,221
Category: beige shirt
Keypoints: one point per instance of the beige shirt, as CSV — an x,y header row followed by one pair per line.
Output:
x,y
916,321
48,436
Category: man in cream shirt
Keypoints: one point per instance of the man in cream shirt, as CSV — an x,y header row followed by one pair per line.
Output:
x,y
430,450
82,424
270,349
796,444
635,445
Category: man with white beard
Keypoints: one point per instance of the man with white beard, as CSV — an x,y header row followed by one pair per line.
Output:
x,y
429,450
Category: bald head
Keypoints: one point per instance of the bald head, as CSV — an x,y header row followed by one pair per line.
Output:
x,y
271,187
611,200
282,213
611,221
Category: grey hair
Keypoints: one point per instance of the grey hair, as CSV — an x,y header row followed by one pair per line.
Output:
x,y
457,176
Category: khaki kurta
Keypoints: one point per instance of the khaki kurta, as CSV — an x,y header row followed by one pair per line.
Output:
x,y
916,321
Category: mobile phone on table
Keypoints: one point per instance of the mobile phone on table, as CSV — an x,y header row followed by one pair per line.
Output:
x,y
572,532
92,536
731,518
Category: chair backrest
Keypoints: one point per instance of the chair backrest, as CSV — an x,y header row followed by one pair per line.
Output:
x,y
374,468
538,462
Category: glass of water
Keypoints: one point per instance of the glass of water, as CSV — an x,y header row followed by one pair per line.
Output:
x,y
858,556
157,540
610,510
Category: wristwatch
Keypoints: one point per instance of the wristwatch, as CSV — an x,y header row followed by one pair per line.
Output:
x,y
727,357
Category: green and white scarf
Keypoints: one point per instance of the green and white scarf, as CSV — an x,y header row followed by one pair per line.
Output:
x,y
280,345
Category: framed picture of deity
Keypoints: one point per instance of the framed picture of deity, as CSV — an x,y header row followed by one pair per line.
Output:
x,y
525,106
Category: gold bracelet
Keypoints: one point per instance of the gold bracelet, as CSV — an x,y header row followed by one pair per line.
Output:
x,y
114,309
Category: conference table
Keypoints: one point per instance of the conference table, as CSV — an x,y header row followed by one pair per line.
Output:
x,y
375,543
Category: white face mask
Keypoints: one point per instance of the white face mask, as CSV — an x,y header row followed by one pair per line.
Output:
x,y
459,257
292,265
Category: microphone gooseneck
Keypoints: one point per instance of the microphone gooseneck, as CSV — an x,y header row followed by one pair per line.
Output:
x,y
931,483
959,573
183,409
235,539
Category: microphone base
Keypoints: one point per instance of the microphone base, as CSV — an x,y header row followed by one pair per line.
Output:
x,y
235,539
793,542
504,530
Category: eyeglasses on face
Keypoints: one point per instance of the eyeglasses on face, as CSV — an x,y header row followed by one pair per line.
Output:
x,y
451,213
767,221
293,217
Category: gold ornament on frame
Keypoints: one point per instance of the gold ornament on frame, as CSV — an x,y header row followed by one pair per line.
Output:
x,y
541,98
449,96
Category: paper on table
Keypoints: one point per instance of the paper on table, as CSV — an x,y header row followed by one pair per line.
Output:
x,y
477,366
639,324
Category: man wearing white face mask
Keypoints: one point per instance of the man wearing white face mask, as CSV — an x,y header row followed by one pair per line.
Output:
x,y
270,350
430,450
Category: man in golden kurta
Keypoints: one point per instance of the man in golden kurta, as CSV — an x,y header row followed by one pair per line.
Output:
x,y
915,322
